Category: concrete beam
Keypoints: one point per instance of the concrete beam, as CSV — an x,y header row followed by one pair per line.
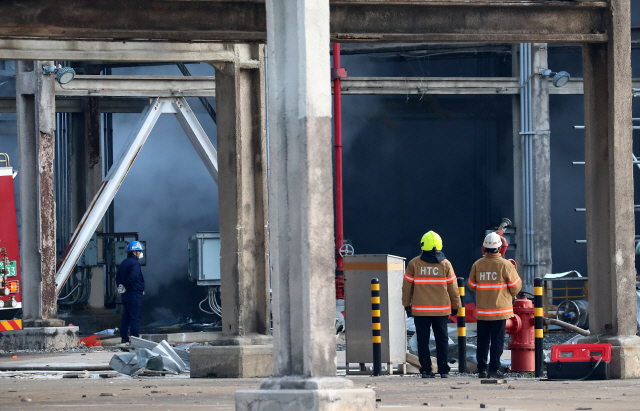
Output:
x,y
452,85
104,28
76,49
78,105
138,86
468,21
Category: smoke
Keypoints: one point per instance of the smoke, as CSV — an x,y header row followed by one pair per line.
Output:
x,y
167,197
433,162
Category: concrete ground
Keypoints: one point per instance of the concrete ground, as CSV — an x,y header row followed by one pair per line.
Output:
x,y
398,392
40,390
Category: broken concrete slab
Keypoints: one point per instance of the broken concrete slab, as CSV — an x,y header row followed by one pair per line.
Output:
x,y
181,338
231,361
40,338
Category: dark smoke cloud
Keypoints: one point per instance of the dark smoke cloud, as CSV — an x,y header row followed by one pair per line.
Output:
x,y
167,197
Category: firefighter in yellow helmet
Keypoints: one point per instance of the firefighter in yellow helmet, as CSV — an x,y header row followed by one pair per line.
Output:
x,y
430,293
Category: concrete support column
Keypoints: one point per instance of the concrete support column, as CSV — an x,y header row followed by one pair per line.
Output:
x,y
301,217
541,162
246,347
540,167
35,106
94,181
609,193
86,172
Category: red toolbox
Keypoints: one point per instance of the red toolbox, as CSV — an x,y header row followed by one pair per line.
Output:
x,y
578,361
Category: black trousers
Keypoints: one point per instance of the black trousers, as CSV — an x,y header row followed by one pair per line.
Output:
x,y
423,330
490,332
131,310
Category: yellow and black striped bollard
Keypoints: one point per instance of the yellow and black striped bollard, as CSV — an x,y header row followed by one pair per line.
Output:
x,y
375,327
462,331
538,323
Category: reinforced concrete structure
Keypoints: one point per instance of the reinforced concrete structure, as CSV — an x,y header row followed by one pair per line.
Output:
x,y
300,193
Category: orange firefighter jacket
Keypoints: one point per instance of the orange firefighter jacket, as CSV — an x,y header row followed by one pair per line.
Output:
x,y
495,282
430,289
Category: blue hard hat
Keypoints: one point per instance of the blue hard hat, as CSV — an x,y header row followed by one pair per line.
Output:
x,y
134,246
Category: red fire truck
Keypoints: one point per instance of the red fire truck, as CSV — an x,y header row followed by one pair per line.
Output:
x,y
10,298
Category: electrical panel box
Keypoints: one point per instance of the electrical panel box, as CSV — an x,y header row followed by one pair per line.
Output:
x,y
204,258
90,255
120,248
359,270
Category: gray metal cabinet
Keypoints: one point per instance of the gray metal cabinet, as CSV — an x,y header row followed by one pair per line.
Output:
x,y
359,270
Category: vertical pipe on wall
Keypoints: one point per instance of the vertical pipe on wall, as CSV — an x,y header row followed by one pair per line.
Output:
x,y
337,120
526,147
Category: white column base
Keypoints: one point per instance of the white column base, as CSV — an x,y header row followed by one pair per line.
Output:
x,y
299,394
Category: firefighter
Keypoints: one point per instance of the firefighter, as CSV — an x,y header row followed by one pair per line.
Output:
x,y
430,293
496,283
131,285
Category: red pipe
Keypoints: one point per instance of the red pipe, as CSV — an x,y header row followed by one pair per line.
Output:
x,y
336,74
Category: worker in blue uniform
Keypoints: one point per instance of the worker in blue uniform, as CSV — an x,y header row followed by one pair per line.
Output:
x,y
131,286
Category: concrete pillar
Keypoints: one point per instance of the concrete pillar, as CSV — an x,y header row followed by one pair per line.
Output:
x,y
541,165
94,182
86,172
301,218
609,193
541,162
246,347
35,105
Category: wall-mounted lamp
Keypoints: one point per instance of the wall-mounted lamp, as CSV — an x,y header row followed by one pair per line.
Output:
x,y
559,79
63,74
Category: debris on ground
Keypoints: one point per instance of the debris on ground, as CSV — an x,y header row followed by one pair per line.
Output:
x,y
149,358
487,381
76,375
178,353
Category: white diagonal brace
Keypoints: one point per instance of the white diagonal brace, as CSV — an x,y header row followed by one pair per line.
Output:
x,y
197,136
107,191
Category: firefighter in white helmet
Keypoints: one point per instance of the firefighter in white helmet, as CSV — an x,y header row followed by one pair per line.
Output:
x,y
495,282
430,292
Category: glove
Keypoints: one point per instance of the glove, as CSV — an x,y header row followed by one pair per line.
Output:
x,y
454,311
408,311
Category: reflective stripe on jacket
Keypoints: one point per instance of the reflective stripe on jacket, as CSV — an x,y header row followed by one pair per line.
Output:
x,y
430,288
495,282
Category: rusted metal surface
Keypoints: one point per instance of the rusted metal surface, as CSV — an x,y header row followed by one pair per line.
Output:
x,y
351,21
182,21
92,126
457,21
47,208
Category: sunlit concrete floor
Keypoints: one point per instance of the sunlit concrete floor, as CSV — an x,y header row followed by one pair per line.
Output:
x,y
51,391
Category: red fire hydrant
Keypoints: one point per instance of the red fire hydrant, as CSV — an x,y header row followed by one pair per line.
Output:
x,y
522,330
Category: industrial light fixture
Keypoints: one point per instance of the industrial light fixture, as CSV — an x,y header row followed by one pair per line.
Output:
x,y
63,74
559,79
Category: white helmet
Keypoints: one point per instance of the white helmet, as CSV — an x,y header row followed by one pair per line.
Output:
x,y
492,240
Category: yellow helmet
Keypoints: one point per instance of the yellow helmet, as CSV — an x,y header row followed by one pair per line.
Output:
x,y
431,240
